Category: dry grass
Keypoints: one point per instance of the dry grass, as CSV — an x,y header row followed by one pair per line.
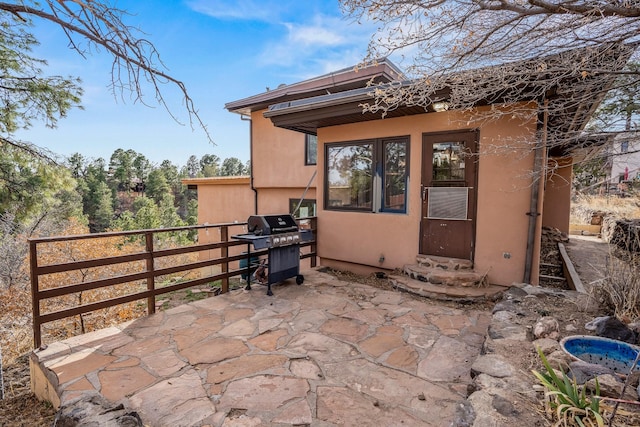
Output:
x,y
16,336
585,206
620,289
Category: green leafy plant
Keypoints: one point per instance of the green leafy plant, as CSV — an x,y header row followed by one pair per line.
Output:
x,y
568,401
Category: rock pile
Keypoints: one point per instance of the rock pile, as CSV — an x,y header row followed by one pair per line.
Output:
x,y
503,393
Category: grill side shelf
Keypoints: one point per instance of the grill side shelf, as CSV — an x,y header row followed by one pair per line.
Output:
x,y
258,242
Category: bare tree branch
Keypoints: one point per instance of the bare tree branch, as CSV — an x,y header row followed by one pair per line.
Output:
x,y
135,59
471,53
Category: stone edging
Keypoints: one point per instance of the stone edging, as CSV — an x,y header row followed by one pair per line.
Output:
x,y
501,391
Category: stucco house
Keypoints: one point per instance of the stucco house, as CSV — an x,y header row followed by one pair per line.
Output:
x,y
625,158
427,181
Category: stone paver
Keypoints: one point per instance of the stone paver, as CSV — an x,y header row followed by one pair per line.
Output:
x,y
325,353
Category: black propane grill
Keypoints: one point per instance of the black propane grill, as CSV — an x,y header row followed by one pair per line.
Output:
x,y
280,235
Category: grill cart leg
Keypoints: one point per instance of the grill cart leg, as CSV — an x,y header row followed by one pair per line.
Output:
x,y
248,287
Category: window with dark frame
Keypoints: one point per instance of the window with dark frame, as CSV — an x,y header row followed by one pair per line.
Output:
x,y
369,176
624,147
395,174
310,149
448,162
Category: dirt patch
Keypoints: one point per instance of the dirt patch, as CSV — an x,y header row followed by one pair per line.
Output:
x,y
590,256
20,407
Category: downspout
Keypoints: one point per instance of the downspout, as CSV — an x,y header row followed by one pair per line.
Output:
x,y
533,213
254,189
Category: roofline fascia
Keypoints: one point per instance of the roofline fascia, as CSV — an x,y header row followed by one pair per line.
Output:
x,y
216,180
244,103
281,110
322,101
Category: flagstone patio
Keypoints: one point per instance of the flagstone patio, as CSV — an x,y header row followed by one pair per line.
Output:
x,y
325,353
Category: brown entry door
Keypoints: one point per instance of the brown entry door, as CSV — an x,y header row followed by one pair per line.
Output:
x,y
448,194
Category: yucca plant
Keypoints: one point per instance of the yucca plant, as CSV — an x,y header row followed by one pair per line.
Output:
x,y
568,401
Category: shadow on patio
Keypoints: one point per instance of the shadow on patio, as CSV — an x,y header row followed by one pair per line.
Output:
x,y
327,352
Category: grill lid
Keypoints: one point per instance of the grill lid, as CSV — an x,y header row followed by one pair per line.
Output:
x,y
262,225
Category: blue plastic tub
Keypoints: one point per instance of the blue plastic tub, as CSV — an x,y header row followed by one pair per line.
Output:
x,y
613,354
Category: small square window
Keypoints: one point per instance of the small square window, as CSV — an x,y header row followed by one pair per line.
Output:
x,y
310,149
302,209
624,147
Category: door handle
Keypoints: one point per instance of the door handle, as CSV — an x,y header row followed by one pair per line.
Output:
x,y
424,193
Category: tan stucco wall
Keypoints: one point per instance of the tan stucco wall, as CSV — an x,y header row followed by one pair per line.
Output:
x,y
276,200
504,190
278,155
557,198
230,199
223,199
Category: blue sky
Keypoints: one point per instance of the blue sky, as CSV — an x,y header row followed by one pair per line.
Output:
x,y
223,50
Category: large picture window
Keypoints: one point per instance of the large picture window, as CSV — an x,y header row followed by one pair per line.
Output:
x,y
367,175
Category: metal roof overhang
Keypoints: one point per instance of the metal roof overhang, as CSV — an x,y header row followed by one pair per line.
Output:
x,y
308,114
346,79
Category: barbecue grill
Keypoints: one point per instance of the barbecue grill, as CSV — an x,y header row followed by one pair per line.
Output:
x,y
280,235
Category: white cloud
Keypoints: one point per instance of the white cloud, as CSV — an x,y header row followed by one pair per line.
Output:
x,y
305,38
320,40
314,35
250,10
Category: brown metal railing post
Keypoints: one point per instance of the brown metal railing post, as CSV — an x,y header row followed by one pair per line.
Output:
x,y
35,298
224,252
151,282
314,245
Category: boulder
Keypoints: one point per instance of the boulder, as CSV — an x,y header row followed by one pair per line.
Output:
x,y
611,386
626,234
559,360
613,328
583,371
492,364
546,327
546,345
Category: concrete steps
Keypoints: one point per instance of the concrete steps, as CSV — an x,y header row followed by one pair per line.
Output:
x,y
438,276
445,279
447,293
450,264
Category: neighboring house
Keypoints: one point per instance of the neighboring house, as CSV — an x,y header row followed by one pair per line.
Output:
x,y
418,181
625,158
